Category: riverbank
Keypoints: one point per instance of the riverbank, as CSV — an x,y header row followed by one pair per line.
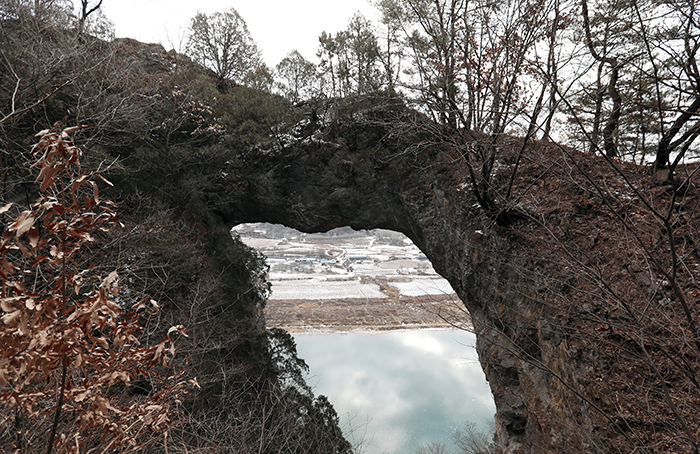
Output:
x,y
366,315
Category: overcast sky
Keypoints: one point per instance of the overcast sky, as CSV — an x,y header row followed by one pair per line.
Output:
x,y
277,26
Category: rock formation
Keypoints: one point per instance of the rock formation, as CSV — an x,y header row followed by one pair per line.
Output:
x,y
549,294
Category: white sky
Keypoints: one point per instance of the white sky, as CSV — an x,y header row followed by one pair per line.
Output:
x,y
277,26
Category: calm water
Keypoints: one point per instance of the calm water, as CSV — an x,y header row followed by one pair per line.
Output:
x,y
400,390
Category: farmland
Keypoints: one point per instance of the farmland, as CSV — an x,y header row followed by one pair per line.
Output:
x,y
348,281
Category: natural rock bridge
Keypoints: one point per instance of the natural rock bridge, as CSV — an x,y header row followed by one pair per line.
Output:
x,y
530,286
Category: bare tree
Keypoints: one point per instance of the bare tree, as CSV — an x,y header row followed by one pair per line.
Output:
x,y
468,64
221,42
684,78
351,59
611,126
86,10
298,77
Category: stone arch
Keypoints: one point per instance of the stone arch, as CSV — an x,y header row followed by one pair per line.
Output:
x,y
363,169
355,177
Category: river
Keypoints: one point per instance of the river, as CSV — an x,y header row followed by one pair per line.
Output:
x,y
397,391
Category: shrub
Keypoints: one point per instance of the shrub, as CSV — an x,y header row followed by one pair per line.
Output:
x,y
70,356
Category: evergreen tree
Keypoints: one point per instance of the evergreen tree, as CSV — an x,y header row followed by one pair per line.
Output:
x,y
350,59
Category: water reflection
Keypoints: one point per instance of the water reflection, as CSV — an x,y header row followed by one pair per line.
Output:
x,y
402,389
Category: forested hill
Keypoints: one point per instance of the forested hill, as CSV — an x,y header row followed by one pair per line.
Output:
x,y
576,258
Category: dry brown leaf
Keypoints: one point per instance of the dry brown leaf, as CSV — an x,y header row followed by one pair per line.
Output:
x,y
47,175
77,182
111,281
179,328
23,321
33,235
104,179
95,192
29,331
6,268
8,304
81,395
23,223
159,351
102,341
72,129
25,251
11,318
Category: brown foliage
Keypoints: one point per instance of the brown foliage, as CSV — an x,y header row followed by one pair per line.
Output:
x,y
70,353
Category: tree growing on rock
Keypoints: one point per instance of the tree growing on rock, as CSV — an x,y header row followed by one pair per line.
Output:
x,y
297,76
350,62
221,42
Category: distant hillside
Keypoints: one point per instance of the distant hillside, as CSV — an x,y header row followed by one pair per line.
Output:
x,y
266,230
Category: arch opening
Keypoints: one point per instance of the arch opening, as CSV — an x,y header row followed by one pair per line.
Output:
x,y
348,280
385,337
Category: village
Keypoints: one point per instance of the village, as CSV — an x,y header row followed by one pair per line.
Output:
x,y
346,280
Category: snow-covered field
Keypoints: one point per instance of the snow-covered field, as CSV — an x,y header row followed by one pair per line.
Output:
x,y
423,286
314,289
342,264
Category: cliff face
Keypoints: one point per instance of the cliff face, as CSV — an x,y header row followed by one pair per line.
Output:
x,y
553,297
